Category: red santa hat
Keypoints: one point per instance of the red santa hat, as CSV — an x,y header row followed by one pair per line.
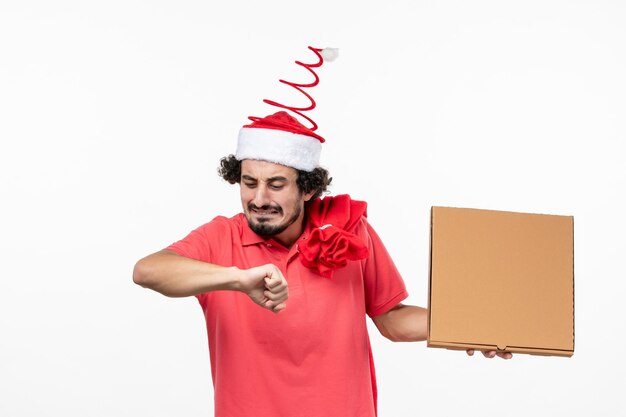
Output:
x,y
280,137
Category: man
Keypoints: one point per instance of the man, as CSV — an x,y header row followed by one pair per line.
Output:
x,y
286,285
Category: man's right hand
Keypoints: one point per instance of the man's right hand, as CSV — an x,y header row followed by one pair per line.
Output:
x,y
266,286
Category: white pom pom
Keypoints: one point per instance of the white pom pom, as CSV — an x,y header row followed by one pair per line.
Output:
x,y
330,54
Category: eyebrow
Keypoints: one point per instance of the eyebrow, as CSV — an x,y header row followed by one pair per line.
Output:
x,y
276,178
270,179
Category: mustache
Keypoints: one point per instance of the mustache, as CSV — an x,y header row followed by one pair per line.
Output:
x,y
265,207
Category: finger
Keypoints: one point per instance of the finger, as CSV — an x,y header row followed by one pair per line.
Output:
x,y
276,288
470,352
274,306
489,353
281,299
273,293
273,271
280,296
280,307
505,355
273,282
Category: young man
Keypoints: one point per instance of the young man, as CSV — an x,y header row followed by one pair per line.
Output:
x,y
286,285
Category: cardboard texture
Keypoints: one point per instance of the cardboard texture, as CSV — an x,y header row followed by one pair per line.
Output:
x,y
501,281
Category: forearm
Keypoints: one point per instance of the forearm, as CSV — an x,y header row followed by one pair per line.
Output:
x,y
405,323
176,276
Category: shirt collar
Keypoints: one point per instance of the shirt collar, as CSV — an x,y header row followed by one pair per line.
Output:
x,y
248,237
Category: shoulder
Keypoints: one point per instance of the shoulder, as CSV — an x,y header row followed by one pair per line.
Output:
x,y
212,240
363,229
223,222
221,227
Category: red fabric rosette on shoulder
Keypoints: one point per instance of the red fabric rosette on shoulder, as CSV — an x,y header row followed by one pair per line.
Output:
x,y
331,243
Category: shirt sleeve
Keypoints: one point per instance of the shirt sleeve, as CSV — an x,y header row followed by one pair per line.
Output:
x,y
202,243
384,286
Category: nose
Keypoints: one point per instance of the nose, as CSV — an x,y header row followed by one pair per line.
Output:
x,y
261,196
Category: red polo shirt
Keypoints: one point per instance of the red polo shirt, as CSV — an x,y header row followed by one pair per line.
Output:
x,y
313,358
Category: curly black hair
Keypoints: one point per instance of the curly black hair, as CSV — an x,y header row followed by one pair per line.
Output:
x,y
317,180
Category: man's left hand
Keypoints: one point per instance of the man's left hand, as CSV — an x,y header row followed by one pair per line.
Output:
x,y
492,354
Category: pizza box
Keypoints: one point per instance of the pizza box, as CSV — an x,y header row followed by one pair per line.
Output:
x,y
501,281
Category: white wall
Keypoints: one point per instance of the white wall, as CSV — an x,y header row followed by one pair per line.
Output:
x,y
113,116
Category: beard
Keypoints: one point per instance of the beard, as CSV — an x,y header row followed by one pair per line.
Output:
x,y
262,228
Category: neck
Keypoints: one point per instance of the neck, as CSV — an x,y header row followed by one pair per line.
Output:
x,y
290,235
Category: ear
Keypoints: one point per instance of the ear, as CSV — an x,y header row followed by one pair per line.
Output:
x,y
308,196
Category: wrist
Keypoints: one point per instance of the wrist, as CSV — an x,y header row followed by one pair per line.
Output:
x,y
234,276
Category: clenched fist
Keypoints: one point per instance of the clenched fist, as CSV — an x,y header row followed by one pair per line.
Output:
x,y
266,286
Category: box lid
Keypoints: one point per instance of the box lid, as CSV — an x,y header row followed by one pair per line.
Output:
x,y
501,280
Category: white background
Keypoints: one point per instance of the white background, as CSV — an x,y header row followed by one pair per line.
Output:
x,y
113,117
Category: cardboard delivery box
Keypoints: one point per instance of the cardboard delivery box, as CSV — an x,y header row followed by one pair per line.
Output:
x,y
501,281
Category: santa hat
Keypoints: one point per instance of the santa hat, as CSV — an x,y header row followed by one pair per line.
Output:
x,y
280,137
